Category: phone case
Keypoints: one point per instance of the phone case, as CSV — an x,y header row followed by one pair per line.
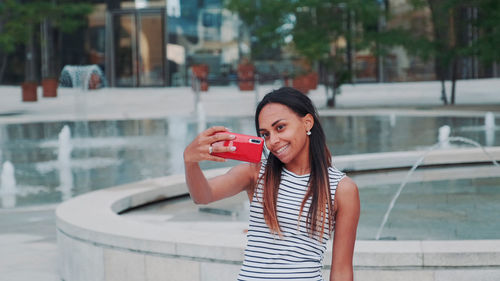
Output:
x,y
248,148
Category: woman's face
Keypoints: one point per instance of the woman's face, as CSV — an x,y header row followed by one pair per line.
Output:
x,y
284,132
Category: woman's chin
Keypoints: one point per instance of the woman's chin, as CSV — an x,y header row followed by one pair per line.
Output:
x,y
283,158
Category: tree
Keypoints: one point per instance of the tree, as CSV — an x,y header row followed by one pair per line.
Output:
x,y
462,29
322,32
488,23
12,31
19,22
446,47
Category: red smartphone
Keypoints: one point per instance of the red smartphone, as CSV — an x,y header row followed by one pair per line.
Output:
x,y
248,148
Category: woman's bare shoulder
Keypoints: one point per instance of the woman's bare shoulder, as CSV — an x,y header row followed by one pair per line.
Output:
x,y
347,183
346,193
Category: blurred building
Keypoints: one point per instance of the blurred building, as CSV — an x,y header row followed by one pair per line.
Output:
x,y
154,42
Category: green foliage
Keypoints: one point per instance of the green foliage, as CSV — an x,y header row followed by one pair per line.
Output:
x,y
486,47
319,30
70,16
450,26
267,20
12,32
18,19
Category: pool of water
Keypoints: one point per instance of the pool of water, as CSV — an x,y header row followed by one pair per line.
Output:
x,y
110,153
445,209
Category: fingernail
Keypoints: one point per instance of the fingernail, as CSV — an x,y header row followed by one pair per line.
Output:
x,y
233,148
232,136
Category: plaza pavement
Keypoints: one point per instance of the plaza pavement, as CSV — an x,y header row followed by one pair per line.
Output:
x,y
27,235
137,103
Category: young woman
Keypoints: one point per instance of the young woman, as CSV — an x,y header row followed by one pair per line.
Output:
x,y
297,197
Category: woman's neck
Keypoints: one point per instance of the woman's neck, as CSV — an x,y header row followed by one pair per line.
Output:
x,y
301,164
301,171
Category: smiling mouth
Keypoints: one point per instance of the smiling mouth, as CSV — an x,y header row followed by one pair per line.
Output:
x,y
279,151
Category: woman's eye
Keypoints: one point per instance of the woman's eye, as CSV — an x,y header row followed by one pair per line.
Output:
x,y
264,135
280,127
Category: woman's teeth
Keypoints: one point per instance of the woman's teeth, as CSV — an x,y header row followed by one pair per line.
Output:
x,y
282,149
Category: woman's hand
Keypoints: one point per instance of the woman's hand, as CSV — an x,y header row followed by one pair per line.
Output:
x,y
201,148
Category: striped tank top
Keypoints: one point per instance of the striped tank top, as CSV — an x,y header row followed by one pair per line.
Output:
x,y
296,255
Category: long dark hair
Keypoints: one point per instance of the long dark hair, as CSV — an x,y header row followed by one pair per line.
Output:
x,y
321,208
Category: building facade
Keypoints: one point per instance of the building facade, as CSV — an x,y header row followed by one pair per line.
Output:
x,y
153,43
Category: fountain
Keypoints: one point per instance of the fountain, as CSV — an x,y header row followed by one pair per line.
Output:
x,y
86,77
154,220
392,118
201,117
443,131
489,128
177,132
64,163
443,136
8,186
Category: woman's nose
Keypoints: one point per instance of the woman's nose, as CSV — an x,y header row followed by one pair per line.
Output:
x,y
273,140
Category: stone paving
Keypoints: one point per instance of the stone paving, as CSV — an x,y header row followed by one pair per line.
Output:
x,y
27,235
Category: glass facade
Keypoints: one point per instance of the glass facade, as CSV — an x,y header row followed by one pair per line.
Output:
x,y
136,47
154,43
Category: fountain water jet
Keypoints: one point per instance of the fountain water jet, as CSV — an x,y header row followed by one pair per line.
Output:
x,y
392,119
443,136
64,162
419,161
201,117
82,76
177,132
8,186
489,128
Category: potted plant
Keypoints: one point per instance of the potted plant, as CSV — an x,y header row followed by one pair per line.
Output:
x,y
300,79
29,91
200,72
49,87
30,85
246,75
300,83
50,79
22,21
17,29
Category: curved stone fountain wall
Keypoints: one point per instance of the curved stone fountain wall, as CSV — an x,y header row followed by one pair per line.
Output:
x,y
96,243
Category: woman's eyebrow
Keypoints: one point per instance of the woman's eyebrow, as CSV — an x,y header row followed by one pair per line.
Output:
x,y
272,125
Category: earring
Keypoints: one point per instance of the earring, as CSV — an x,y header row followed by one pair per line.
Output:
x,y
308,133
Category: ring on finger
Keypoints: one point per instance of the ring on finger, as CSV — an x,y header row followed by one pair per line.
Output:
x,y
210,149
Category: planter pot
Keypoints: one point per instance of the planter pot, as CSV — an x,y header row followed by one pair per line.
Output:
x,y
49,86
29,91
313,80
300,83
204,86
201,73
246,85
246,78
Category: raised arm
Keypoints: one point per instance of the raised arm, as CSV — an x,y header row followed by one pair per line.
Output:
x,y
203,190
346,223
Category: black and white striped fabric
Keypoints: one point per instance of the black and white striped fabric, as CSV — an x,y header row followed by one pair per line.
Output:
x,y
295,256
